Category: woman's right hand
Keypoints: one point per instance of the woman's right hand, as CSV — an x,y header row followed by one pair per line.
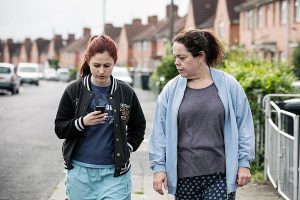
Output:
x,y
94,118
160,178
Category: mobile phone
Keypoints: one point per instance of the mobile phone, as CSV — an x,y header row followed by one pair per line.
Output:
x,y
100,108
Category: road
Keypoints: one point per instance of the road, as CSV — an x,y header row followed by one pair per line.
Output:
x,y
30,153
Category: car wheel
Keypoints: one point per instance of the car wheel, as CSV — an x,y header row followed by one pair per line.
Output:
x,y
37,83
13,91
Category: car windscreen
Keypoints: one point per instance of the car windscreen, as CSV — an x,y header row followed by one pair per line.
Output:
x,y
28,69
4,70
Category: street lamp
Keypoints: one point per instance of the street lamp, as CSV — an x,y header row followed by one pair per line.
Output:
x,y
171,21
104,14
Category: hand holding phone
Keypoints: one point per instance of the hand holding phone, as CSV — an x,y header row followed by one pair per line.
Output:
x,y
100,108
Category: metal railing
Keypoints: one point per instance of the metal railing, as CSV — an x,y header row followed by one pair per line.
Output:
x,y
281,149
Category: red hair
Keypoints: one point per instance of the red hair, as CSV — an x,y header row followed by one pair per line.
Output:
x,y
98,44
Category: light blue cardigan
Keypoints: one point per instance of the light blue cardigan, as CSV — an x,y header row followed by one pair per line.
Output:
x,y
238,130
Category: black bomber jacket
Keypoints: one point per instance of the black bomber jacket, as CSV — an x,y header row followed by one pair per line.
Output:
x,y
129,120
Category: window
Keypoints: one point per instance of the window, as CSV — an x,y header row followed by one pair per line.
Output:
x,y
283,12
297,10
221,29
250,19
145,45
261,17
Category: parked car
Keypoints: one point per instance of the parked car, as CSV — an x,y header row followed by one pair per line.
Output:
x,y
29,73
50,74
122,74
64,74
8,78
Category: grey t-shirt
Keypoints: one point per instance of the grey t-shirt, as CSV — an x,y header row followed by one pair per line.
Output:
x,y
201,149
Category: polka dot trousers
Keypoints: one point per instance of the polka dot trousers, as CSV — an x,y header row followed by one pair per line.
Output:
x,y
207,187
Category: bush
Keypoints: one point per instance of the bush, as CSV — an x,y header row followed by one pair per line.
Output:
x,y
258,78
163,73
73,74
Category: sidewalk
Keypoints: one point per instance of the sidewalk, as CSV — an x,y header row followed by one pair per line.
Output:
x,y
142,175
142,190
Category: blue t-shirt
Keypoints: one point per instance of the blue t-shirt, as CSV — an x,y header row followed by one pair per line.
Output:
x,y
95,148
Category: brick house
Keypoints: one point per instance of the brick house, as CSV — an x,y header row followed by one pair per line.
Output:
x,y
270,27
12,51
226,22
125,46
56,44
149,46
113,32
163,29
72,55
201,14
145,45
25,51
218,16
39,50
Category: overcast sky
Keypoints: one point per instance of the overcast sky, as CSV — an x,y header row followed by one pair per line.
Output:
x,y
42,18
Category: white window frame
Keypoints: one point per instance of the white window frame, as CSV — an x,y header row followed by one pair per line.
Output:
x,y
297,10
261,17
283,12
250,19
145,45
221,29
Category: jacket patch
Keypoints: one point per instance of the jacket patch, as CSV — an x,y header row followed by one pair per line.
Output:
x,y
124,109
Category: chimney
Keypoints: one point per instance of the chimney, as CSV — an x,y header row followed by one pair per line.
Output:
x,y
71,38
108,26
168,10
57,37
87,32
152,20
9,41
136,22
27,41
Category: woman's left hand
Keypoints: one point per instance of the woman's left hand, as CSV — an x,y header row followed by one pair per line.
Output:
x,y
243,176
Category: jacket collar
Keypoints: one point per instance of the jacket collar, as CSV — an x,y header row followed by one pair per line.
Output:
x,y
87,82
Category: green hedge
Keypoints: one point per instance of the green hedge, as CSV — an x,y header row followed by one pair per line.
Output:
x,y
258,78
163,73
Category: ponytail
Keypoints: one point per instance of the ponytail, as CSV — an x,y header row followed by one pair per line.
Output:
x,y
215,53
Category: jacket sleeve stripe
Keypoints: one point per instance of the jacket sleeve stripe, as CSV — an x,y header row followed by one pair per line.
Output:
x,y
114,85
79,125
130,147
125,168
86,82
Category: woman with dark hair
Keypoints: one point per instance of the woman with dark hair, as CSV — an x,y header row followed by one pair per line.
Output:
x,y
101,122
202,140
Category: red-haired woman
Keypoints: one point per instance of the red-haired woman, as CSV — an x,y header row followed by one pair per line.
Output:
x,y
97,144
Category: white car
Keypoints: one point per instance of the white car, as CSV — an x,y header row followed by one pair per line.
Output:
x,y
29,73
64,74
50,74
122,74
8,78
